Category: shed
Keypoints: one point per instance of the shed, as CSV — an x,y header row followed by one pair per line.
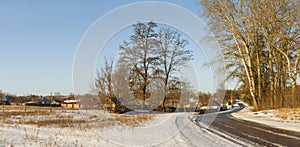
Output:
x,y
71,104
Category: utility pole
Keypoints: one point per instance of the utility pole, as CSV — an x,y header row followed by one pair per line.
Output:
x,y
50,101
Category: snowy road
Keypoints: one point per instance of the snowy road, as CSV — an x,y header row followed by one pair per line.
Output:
x,y
175,129
193,135
254,133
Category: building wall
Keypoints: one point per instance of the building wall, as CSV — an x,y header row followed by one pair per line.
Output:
x,y
70,105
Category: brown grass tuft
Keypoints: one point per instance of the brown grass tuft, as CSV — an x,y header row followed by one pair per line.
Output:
x,y
288,113
59,122
133,120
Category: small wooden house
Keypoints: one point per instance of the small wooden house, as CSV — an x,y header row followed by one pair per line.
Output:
x,y
70,104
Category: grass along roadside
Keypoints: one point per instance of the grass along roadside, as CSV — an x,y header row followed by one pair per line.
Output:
x,y
288,113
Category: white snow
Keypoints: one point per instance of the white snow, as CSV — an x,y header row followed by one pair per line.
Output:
x,y
173,129
102,129
71,101
267,117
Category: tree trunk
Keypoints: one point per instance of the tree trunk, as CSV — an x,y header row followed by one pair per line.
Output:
x,y
258,77
293,95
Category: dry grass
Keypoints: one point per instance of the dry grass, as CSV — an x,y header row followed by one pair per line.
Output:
x,y
41,116
58,122
288,113
23,108
11,111
133,120
61,122
253,110
15,115
22,113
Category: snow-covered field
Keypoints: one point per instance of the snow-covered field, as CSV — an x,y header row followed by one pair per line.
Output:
x,y
97,128
271,118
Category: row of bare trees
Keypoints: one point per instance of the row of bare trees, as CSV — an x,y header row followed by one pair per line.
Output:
x,y
260,43
148,62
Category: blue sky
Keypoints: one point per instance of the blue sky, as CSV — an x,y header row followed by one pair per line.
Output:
x,y
38,41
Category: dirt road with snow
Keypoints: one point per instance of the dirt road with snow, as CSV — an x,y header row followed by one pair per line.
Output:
x,y
254,133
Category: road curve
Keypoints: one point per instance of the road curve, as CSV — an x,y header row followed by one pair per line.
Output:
x,y
253,133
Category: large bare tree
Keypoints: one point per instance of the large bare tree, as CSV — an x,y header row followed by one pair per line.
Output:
x,y
153,54
173,54
139,57
260,42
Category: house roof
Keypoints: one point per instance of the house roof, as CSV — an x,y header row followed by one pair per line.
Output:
x,y
71,101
